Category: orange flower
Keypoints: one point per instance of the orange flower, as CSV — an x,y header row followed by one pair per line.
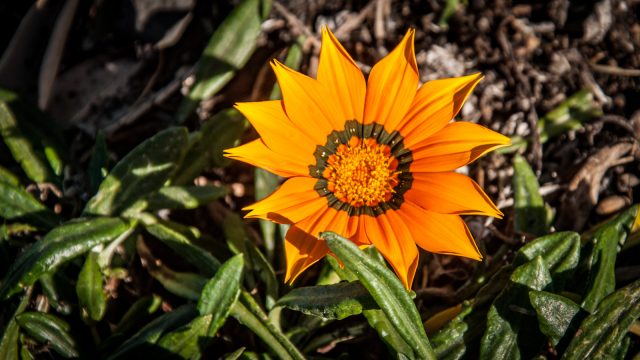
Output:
x,y
373,161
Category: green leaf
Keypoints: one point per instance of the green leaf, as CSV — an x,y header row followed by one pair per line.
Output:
x,y
222,291
24,151
58,246
239,243
569,115
184,284
98,164
336,336
141,342
375,317
602,332
555,313
249,314
183,197
206,146
8,177
25,353
9,341
234,355
19,205
186,342
58,290
458,335
218,295
387,291
507,335
265,184
246,310
51,330
559,251
137,313
91,296
181,240
228,50
605,244
143,171
336,301
530,213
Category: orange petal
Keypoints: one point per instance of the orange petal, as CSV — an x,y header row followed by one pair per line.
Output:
x,y
435,105
277,131
393,239
339,72
439,233
294,201
456,145
258,154
392,85
302,246
450,193
309,104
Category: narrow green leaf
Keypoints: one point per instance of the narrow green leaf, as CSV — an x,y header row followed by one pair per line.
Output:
x,y
602,332
142,341
91,296
220,132
459,335
51,330
507,335
8,177
222,290
183,197
9,340
186,342
181,240
386,290
530,212
184,284
246,310
228,50
560,253
239,243
336,336
59,291
218,295
24,151
387,331
249,314
234,355
19,205
555,313
143,171
569,115
375,317
25,353
265,184
137,313
605,244
336,301
98,164
58,246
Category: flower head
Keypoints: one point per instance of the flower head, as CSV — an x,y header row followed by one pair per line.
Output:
x,y
370,160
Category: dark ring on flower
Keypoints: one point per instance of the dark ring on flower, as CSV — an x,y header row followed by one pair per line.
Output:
x,y
376,131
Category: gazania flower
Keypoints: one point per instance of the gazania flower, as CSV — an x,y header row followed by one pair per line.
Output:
x,y
373,161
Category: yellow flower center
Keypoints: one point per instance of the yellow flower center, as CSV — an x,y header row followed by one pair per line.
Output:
x,y
362,172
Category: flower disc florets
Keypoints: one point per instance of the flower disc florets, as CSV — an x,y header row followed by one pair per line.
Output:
x,y
363,169
362,172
